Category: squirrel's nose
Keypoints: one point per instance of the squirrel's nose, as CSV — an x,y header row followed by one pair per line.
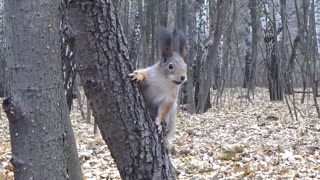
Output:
x,y
182,78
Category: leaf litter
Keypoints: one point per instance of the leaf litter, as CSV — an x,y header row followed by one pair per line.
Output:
x,y
240,140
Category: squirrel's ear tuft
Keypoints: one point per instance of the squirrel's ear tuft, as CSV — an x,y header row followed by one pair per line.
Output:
x,y
182,44
165,40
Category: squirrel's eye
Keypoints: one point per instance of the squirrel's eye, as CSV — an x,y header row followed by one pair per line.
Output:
x,y
170,66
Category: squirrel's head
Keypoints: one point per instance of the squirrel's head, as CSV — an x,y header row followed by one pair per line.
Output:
x,y
173,50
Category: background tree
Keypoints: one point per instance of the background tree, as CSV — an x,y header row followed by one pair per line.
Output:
x,y
43,146
206,75
252,43
306,22
203,41
272,60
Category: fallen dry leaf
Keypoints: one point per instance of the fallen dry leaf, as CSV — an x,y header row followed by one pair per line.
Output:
x,y
238,140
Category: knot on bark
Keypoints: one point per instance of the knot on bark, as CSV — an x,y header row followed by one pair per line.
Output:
x,y
70,36
16,162
90,84
8,105
64,136
11,109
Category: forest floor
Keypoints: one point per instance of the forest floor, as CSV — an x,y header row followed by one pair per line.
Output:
x,y
240,139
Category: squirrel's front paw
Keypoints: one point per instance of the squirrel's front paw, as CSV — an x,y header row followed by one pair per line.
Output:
x,y
136,76
159,126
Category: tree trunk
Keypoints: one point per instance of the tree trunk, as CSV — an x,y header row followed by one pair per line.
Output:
x,y
88,112
123,7
251,58
272,61
226,50
191,24
80,100
2,73
202,43
69,74
36,105
302,34
2,52
181,24
142,62
284,34
207,73
288,74
287,64
68,63
248,56
116,103
171,20
313,64
135,38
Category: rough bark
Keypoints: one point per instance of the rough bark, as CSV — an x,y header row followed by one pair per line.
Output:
x,y
116,103
2,51
36,105
2,73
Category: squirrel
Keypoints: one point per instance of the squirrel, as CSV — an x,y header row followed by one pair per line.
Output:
x,y
160,83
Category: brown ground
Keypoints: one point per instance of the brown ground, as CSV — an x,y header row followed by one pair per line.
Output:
x,y
241,139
